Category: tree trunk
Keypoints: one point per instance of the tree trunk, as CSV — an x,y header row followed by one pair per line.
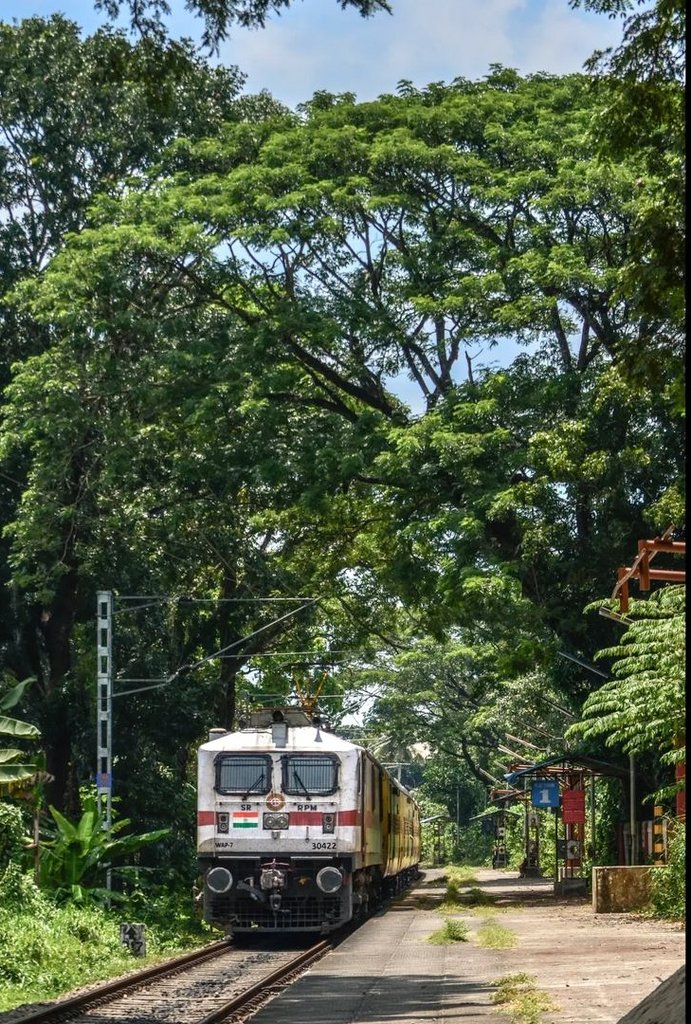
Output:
x,y
52,657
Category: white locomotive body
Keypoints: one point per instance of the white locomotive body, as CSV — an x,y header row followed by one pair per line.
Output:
x,y
298,829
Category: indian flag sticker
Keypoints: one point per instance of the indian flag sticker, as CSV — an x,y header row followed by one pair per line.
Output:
x,y
245,819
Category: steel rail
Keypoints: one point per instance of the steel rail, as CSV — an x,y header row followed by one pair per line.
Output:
x,y
129,981
282,974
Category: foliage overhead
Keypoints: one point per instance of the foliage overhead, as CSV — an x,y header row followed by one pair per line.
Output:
x,y
640,117
78,117
299,266
642,707
148,16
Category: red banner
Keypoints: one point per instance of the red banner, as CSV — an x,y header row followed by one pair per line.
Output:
x,y
573,806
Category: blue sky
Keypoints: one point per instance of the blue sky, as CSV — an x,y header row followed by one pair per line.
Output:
x,y
315,45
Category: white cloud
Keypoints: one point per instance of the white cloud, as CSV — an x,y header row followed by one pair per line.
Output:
x,y
558,41
315,45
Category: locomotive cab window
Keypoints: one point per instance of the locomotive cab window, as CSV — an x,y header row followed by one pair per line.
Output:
x,y
308,776
243,774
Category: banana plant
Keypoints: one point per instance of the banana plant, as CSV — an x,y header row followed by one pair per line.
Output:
x,y
74,853
14,769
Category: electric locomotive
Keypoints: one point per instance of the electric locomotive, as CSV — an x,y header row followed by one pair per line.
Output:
x,y
298,830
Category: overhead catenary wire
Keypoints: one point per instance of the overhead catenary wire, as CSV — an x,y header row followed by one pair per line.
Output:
x,y
155,600
216,654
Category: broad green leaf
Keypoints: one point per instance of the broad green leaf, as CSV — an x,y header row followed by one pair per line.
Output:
x,y
14,727
16,772
68,832
8,754
11,697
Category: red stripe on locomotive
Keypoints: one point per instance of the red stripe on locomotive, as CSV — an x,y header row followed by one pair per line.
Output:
x,y
348,818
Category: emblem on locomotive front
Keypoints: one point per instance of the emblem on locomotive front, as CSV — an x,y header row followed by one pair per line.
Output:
x,y
275,801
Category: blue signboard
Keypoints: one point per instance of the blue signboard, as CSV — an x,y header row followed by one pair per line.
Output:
x,y
545,793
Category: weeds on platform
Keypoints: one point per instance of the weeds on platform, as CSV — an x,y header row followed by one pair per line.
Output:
x,y
475,897
450,931
494,936
459,875
455,900
517,995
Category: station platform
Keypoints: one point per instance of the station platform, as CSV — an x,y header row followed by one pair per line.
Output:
x,y
593,967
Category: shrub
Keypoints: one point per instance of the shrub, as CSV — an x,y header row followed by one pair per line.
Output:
x,y
18,891
668,885
73,855
11,833
46,951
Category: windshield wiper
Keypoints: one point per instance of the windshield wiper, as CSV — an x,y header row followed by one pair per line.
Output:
x,y
301,783
259,778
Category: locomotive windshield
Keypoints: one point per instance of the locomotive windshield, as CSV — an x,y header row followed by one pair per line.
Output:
x,y
309,776
243,773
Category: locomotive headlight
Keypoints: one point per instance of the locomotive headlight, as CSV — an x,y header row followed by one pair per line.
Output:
x,y
219,880
329,880
328,823
275,821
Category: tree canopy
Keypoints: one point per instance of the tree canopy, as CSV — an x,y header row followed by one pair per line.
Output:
x,y
412,364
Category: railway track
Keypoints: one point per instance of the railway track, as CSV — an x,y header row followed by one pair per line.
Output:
x,y
219,983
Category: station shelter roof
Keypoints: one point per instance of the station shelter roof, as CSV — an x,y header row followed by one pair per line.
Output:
x,y
565,764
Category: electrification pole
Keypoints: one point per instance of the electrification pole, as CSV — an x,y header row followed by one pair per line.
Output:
x,y
104,709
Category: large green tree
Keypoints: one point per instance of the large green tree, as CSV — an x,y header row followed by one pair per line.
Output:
x,y
295,267
640,86
77,117
393,238
231,333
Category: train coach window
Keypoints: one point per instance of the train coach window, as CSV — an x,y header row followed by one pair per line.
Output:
x,y
243,773
308,776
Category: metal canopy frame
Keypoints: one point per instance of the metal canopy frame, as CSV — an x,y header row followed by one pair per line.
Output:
x,y
640,569
565,764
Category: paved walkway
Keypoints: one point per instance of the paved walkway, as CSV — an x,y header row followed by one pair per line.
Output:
x,y
594,967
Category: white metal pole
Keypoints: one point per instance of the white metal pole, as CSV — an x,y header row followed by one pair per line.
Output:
x,y
104,709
